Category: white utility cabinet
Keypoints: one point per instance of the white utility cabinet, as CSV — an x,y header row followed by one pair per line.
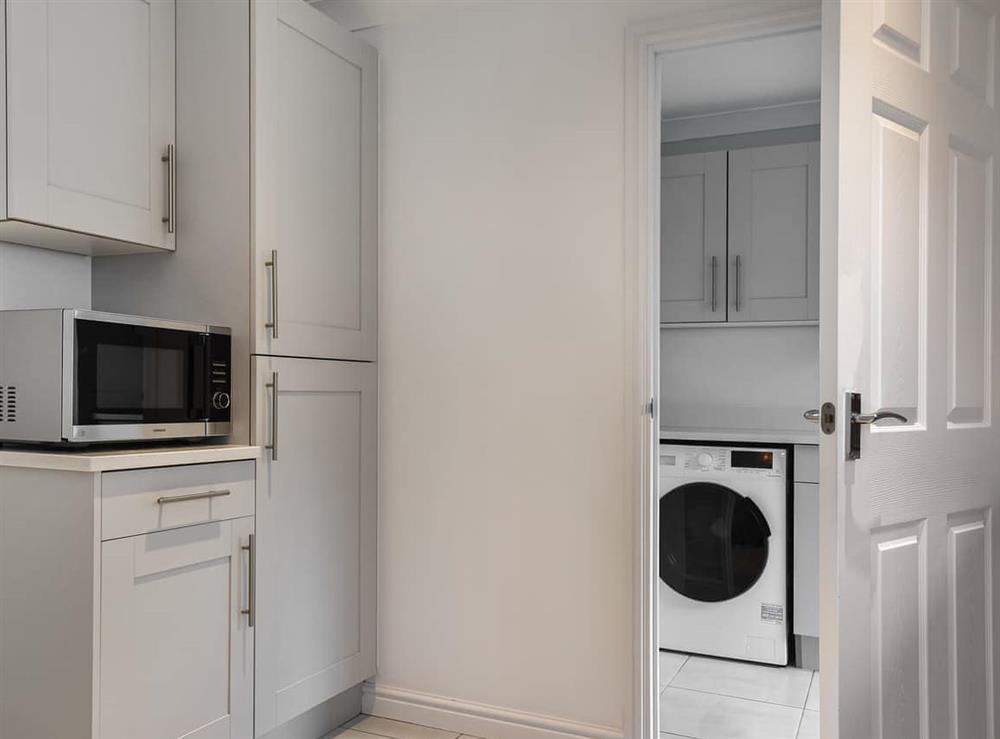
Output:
x,y
317,531
693,238
739,235
88,116
134,615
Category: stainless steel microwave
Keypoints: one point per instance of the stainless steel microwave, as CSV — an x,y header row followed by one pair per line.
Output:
x,y
80,376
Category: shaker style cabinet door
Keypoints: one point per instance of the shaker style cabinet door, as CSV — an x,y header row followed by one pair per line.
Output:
x,y
774,233
316,525
90,117
176,651
693,238
315,185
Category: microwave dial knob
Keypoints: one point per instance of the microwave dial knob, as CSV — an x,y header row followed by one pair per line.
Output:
x,y
220,401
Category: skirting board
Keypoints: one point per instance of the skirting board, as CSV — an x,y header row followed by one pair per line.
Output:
x,y
477,719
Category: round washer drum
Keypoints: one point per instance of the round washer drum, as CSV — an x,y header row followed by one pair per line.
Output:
x,y
713,542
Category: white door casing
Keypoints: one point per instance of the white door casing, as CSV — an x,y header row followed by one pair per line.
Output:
x,y
911,138
774,233
315,185
693,238
316,532
90,113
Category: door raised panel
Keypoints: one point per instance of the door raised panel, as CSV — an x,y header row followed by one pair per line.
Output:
x,y
90,113
315,186
316,523
970,285
970,625
973,53
902,26
898,262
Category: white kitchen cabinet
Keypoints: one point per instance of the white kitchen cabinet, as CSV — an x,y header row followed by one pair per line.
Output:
x,y
693,238
176,648
315,190
774,233
88,113
805,570
316,526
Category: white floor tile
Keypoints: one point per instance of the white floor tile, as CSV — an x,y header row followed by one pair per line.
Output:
x,y
672,736
787,686
396,729
344,733
670,663
809,728
812,702
706,716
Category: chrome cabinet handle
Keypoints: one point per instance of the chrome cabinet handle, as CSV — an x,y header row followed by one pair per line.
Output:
x,y
164,499
171,161
273,264
273,385
870,418
739,268
812,415
715,271
251,610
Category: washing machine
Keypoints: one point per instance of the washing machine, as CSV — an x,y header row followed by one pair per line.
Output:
x,y
723,559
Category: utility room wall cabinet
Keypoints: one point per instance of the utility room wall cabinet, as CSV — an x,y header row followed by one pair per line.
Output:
x,y
87,109
739,235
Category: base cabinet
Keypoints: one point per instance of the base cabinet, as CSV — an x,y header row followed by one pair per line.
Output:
x,y
316,532
176,648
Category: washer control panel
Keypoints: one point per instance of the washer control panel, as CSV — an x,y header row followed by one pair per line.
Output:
x,y
675,459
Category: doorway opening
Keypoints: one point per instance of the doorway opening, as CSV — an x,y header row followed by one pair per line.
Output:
x,y
735,512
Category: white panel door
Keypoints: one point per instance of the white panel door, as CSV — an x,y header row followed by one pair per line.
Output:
x,y
90,114
176,653
315,185
693,238
316,518
774,233
910,245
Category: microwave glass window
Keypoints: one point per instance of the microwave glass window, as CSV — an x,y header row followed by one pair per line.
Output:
x,y
138,374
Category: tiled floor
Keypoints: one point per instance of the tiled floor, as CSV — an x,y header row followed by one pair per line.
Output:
x,y
704,698
373,727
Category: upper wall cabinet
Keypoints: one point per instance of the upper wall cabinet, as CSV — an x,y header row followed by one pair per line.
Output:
x,y
693,237
88,111
774,233
315,185
739,235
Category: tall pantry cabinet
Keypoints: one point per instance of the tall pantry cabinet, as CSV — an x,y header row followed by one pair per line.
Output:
x,y
277,237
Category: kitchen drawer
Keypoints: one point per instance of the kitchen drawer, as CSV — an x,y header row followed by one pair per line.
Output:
x,y
806,463
139,501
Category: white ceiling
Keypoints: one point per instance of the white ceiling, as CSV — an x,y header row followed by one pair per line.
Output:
x,y
763,72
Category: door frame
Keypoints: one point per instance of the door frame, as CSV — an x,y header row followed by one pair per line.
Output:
x,y
643,44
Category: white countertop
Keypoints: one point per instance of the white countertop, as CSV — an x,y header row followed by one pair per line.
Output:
x,y
766,436
106,460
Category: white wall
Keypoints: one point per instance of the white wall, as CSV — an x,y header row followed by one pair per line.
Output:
x,y
38,278
746,378
504,571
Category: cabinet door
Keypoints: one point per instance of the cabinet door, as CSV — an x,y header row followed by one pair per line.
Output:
x,y
693,238
90,110
316,519
315,185
774,233
805,565
176,653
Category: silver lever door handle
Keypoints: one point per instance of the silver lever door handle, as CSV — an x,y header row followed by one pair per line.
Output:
x,y
870,418
812,415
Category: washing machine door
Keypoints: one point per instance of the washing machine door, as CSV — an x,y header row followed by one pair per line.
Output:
x,y
713,541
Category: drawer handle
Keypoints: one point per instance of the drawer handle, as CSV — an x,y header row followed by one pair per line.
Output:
x,y
164,499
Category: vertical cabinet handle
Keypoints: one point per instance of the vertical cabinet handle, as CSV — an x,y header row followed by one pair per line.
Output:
x,y
272,263
251,610
273,385
739,268
715,283
170,160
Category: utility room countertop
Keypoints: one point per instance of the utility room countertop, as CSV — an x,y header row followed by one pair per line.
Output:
x,y
107,460
756,436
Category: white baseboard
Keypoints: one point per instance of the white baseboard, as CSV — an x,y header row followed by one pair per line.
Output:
x,y
477,719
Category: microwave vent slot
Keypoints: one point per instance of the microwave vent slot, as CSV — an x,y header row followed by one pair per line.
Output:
x,y
8,404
